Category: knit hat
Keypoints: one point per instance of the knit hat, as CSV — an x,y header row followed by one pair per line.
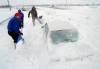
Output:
x,y
19,10
17,14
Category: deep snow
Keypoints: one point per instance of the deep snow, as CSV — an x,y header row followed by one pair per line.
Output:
x,y
37,53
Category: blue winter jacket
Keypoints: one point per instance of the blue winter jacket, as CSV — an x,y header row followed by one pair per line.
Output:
x,y
14,25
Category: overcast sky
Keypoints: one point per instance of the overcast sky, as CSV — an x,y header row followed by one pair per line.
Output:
x,y
31,2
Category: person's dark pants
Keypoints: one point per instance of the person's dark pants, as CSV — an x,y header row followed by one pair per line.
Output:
x,y
14,36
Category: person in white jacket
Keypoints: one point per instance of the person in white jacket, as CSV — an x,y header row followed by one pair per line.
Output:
x,y
44,26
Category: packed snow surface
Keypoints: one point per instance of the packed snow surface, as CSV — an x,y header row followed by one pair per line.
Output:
x,y
40,53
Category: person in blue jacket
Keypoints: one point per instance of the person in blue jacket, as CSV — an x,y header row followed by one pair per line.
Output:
x,y
14,26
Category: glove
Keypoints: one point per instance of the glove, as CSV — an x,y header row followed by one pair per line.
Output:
x,y
21,33
42,26
22,25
